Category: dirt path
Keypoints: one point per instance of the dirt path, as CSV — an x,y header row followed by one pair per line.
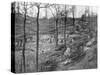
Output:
x,y
88,61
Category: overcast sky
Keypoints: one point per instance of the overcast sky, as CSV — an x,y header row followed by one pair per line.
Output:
x,y
79,10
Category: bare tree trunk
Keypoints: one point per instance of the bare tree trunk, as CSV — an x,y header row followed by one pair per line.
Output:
x,y
65,31
37,38
73,19
56,35
23,53
73,13
65,19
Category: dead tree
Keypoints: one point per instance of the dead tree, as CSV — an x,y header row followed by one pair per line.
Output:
x,y
65,23
73,14
39,6
25,11
23,53
56,18
37,44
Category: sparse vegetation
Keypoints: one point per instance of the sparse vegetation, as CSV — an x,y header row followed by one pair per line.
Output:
x,y
54,42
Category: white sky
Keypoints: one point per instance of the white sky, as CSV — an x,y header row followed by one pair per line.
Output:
x,y
78,11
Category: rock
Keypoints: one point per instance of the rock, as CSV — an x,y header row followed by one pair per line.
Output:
x,y
66,61
67,52
90,42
